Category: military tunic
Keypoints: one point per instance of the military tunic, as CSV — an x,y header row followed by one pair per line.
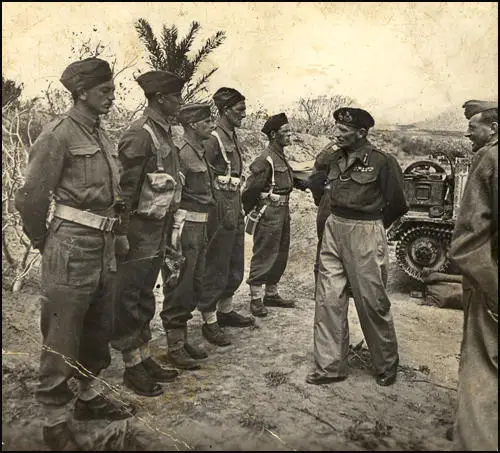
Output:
x,y
197,197
474,250
74,159
226,229
271,240
148,237
366,194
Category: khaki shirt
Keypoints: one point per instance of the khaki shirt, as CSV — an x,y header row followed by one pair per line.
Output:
x,y
366,183
137,156
197,191
74,159
233,150
261,176
474,247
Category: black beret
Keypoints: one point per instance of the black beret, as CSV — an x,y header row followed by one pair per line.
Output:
x,y
227,97
358,118
274,122
474,107
191,113
85,74
160,82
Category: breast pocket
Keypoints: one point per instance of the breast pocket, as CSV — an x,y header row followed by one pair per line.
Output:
x,y
333,173
197,181
282,178
364,177
84,163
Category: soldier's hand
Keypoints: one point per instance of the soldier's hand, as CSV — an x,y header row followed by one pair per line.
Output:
x,y
122,246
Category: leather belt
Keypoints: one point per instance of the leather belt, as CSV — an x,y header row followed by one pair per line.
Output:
x,y
85,218
193,216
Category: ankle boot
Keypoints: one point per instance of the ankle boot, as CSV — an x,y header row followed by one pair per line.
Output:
x,y
177,354
194,351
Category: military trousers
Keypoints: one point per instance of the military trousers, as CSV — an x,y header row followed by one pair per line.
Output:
x,y
322,215
78,269
136,278
476,427
179,303
271,244
225,263
354,251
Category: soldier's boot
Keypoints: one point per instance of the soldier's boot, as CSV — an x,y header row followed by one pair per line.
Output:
x,y
194,351
157,372
257,308
177,354
214,334
102,408
60,438
275,300
139,380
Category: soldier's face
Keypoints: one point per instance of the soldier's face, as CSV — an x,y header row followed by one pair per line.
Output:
x,y
284,135
171,103
99,98
204,128
479,133
346,136
236,113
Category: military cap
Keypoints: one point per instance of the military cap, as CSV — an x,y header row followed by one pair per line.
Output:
x,y
358,118
160,82
85,74
274,122
191,113
474,107
226,97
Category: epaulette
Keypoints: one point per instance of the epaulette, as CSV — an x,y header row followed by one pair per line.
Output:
x,y
55,123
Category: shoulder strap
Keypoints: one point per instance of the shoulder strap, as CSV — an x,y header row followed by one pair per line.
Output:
x,y
156,144
273,182
223,152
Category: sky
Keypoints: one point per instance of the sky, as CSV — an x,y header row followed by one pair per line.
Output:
x,y
404,61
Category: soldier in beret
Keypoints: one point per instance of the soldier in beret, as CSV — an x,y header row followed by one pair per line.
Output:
x,y
74,160
151,190
474,250
366,196
226,231
267,192
197,199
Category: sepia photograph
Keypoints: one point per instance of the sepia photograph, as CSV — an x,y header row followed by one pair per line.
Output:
x,y
250,226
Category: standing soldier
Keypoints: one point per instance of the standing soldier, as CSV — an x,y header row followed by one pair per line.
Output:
x,y
74,160
474,249
366,196
226,230
151,190
191,224
267,192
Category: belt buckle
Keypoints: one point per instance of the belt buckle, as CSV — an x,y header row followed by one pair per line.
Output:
x,y
107,223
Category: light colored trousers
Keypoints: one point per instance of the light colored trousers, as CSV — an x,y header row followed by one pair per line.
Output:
x,y
354,251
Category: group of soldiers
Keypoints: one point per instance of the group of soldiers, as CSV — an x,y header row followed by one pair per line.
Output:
x,y
124,214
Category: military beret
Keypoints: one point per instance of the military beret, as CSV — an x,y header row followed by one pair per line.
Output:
x,y
191,113
474,107
160,82
227,97
353,117
274,123
85,74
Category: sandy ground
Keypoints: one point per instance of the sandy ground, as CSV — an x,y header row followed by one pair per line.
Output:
x,y
252,395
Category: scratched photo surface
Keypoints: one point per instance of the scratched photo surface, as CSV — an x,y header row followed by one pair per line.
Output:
x,y
411,65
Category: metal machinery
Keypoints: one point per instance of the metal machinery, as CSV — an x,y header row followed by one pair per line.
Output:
x,y
423,235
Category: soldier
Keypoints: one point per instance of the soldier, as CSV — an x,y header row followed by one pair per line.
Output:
x,y
267,192
74,160
226,230
474,250
366,196
151,190
191,219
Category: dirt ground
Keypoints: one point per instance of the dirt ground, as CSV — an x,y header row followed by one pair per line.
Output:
x,y
252,395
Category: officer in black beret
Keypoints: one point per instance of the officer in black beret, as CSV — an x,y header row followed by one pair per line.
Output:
x,y
74,161
226,231
266,195
366,196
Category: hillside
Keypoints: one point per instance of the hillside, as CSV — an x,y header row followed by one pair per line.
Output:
x,y
449,120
